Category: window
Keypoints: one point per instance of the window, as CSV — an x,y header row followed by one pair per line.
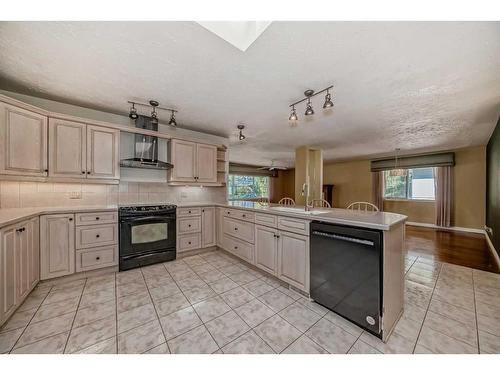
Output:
x,y
417,183
247,187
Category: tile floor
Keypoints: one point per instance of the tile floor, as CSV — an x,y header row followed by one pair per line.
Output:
x,y
214,303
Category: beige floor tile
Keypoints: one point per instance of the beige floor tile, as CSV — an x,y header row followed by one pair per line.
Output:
x,y
211,276
99,296
360,347
420,349
488,295
33,301
211,308
181,274
99,283
62,295
488,324
254,312
277,333
137,286
249,343
90,334
290,293
154,270
299,316
196,341
140,339
276,300
202,268
414,312
199,294
223,285
56,309
258,287
156,280
408,328
237,297
464,316
457,298
440,343
483,278
107,346
416,299
304,345
160,349
8,339
229,270
171,304
317,308
164,291
126,277
50,327
194,260
92,313
74,285
50,345
488,343
191,282
396,344
19,319
420,279
451,328
227,328
242,277
179,322
331,337
346,325
132,301
136,317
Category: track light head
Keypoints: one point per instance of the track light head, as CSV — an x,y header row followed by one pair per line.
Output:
x,y
172,121
328,100
241,137
293,115
133,112
309,109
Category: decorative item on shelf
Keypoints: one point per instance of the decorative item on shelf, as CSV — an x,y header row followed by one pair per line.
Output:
x,y
397,171
309,108
155,105
241,137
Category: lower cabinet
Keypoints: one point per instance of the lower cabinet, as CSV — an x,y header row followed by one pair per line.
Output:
x,y
266,249
19,272
57,245
196,228
293,259
208,236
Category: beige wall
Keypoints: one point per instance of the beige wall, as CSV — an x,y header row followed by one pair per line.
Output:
x,y
352,182
283,185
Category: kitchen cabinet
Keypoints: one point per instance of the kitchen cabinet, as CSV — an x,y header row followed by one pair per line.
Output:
x,y
266,248
293,259
79,150
208,237
23,142
19,272
193,162
57,245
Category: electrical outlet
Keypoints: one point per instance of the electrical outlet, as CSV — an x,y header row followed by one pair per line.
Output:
x,y
75,195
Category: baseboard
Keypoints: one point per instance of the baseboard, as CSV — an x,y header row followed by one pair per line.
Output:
x,y
456,229
492,249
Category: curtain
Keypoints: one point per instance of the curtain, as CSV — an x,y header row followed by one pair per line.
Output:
x,y
378,189
443,181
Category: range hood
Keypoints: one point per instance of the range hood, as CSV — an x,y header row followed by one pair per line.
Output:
x,y
145,148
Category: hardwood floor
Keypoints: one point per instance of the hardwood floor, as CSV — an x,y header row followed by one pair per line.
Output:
x,y
464,249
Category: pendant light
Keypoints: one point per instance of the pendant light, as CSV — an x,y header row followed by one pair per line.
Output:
x,y
308,94
397,171
133,112
293,115
172,121
241,137
309,109
328,100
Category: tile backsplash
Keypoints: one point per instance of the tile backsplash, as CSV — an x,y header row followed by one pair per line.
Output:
x,y
16,194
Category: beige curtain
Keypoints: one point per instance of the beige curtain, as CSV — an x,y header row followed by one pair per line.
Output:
x,y
378,189
444,195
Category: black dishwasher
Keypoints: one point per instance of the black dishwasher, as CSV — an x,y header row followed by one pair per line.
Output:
x,y
346,272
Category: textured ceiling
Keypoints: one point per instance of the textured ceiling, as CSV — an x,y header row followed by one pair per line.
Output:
x,y
416,86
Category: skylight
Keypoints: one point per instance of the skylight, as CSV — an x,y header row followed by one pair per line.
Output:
x,y
240,34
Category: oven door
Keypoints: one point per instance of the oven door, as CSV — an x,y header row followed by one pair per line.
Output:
x,y
146,235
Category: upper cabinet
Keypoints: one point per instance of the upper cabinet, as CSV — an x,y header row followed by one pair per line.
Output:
x,y
23,145
79,150
193,162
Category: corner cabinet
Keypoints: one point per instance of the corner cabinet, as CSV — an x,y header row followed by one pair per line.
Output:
x,y
19,265
23,142
193,162
79,150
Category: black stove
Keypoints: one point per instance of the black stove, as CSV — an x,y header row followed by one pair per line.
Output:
x,y
147,235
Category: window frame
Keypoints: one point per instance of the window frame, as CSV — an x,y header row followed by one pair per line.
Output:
x,y
396,199
248,199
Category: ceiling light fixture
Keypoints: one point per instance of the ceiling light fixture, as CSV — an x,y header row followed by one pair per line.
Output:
x,y
309,94
241,137
133,114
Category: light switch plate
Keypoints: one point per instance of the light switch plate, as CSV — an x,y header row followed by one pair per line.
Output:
x,y
75,195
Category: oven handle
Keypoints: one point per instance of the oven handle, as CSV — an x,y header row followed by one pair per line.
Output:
x,y
147,218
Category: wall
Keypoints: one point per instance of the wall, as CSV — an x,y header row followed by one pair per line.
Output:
x,y
353,182
14,194
493,187
282,186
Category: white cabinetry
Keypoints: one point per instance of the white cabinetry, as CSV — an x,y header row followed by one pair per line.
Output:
x,y
293,259
23,142
193,162
196,228
208,236
266,248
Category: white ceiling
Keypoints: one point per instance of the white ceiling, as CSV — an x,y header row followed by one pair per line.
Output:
x,y
414,85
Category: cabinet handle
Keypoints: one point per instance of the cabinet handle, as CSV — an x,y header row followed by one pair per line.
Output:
x,y
189,225
45,170
70,219
202,210
97,235
19,230
97,218
244,215
189,243
189,211
236,248
97,258
88,172
83,172
235,228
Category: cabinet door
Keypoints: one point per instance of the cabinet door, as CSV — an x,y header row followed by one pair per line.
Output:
x,y
206,163
34,251
103,152
293,259
57,245
23,142
184,160
220,231
266,249
22,260
208,227
67,149
8,287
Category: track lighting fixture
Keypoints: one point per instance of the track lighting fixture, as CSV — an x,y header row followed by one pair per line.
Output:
x,y
293,115
133,114
241,137
309,108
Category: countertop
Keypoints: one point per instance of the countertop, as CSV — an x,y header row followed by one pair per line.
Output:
x,y
373,220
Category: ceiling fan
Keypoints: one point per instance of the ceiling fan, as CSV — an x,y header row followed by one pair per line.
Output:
x,y
273,167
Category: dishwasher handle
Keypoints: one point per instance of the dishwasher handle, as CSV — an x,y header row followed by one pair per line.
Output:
x,y
343,238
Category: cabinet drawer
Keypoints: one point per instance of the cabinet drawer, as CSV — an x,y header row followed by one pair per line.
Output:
x,y
265,219
239,248
240,229
189,242
97,257
189,225
190,211
92,218
293,225
96,235
239,214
